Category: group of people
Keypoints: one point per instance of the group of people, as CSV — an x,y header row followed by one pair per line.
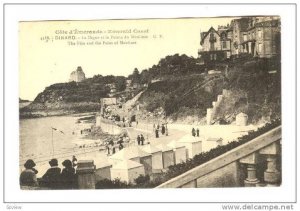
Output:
x,y
140,139
111,146
195,132
54,178
164,130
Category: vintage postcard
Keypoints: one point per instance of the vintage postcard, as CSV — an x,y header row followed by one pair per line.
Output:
x,y
150,103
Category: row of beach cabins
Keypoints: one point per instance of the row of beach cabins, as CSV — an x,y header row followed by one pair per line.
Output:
x,y
133,161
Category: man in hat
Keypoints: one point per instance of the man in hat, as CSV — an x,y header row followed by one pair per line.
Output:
x,y
68,179
28,176
51,178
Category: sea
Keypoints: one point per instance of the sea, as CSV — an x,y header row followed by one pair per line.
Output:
x,y
47,137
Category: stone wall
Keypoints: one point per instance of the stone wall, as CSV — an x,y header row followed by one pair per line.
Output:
x,y
211,112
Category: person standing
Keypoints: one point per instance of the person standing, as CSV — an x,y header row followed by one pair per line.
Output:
x,y
51,178
142,139
157,133
74,161
138,139
163,129
197,131
193,132
28,176
68,175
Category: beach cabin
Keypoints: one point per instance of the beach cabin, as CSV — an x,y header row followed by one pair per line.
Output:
x,y
156,153
210,143
193,145
103,167
179,151
167,155
241,119
136,154
127,171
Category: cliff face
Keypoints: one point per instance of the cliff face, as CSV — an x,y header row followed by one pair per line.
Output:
x,y
255,88
72,97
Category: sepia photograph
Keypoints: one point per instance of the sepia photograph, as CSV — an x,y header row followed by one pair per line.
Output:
x,y
150,103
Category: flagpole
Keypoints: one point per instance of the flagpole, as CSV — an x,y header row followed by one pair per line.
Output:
x,y
52,143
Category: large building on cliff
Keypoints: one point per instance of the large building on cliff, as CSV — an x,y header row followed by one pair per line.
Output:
x,y
255,36
77,75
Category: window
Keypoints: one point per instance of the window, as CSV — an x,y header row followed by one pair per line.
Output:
x,y
224,44
211,56
259,33
245,37
260,47
215,56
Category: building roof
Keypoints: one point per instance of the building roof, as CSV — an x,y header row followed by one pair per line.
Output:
x,y
127,164
189,139
242,114
129,153
164,147
151,149
207,33
102,162
175,144
270,23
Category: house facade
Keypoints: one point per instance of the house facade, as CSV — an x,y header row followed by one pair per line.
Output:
x,y
256,36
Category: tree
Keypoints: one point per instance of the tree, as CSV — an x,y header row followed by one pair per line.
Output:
x,y
135,76
120,83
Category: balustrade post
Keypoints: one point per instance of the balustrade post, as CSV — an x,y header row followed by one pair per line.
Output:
x,y
271,175
86,174
251,161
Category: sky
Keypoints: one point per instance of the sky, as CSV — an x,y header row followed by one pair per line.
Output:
x,y
44,63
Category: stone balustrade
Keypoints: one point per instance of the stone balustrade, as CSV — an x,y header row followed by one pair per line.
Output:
x,y
238,167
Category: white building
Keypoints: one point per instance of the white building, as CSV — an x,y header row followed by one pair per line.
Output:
x,y
180,153
136,154
77,75
192,144
157,162
127,171
167,155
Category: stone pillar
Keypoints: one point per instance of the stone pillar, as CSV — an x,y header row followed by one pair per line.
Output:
x,y
251,161
86,174
250,47
271,175
209,116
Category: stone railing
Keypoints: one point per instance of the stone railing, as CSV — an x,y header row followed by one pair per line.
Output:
x,y
254,163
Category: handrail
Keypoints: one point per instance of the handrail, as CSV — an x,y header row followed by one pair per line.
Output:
x,y
225,159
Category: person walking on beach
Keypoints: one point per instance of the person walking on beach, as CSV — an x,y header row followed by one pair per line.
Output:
x,y
28,176
68,175
157,133
193,132
142,139
138,139
51,178
163,129
197,131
